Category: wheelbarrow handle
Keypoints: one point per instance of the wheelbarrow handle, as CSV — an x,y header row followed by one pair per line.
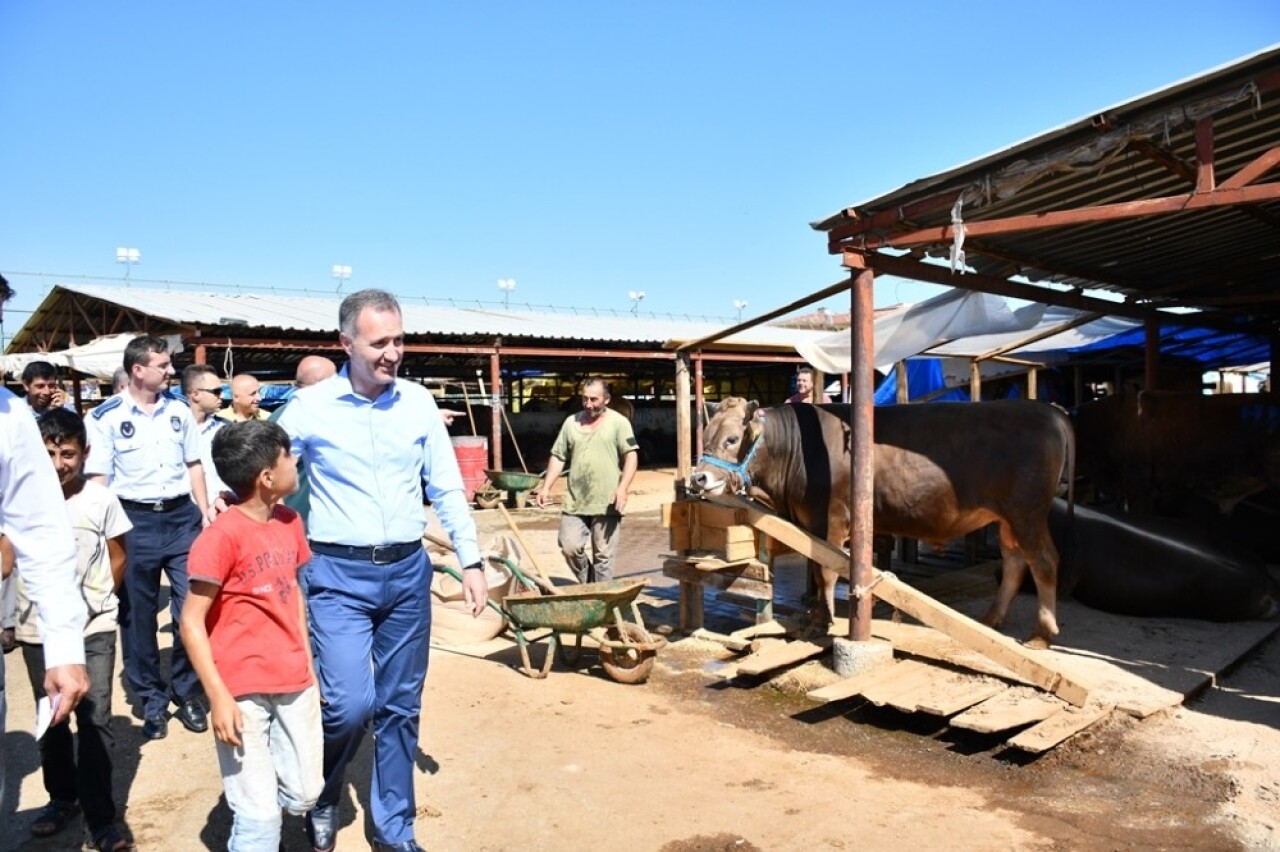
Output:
x,y
457,575
537,581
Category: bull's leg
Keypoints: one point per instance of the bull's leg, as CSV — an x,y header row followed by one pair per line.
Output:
x,y
1043,558
823,611
1013,569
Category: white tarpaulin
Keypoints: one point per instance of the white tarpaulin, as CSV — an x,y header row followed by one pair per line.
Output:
x,y
950,316
99,358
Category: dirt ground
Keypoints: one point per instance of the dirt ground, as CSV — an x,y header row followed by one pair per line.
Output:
x,y
686,763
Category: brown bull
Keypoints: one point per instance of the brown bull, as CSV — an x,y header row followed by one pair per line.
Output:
x,y
941,470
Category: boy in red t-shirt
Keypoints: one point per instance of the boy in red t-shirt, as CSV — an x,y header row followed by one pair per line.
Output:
x,y
244,625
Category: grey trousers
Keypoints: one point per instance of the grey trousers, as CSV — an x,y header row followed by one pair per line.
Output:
x,y
598,531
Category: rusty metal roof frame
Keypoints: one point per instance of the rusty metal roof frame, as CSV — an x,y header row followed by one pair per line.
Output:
x,y
1168,201
269,343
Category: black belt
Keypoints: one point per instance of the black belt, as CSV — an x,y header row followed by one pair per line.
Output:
x,y
378,554
156,505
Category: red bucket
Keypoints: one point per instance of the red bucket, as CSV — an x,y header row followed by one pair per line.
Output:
x,y
473,458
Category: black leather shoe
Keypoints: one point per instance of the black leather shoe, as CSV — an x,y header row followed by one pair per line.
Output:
x,y
155,727
192,716
404,846
322,827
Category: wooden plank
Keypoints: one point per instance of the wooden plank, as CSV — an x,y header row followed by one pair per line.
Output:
x,y
731,543
768,628
1012,708
711,515
1066,723
680,539
851,686
909,675
733,643
950,696
922,641
775,656
715,538
726,580
677,514
889,588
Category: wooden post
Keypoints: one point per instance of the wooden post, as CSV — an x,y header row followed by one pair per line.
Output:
x,y
862,436
699,403
902,384
975,381
1031,382
495,403
684,465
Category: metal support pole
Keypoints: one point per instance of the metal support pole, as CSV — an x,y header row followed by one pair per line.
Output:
x,y
862,435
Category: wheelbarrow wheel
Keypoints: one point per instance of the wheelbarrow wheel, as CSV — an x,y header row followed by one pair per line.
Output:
x,y
627,665
488,500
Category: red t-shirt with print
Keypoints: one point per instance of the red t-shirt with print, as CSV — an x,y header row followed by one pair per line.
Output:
x,y
253,623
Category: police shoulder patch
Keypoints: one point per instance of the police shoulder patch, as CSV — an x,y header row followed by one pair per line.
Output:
x,y
110,405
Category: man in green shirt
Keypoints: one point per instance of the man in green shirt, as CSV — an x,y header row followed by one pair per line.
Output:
x,y
600,449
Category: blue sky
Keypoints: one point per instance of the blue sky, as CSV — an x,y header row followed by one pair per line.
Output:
x,y
585,149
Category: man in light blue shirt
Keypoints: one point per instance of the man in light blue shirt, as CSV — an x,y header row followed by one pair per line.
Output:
x,y
371,442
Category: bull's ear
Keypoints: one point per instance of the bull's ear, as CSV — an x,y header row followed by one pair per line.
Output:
x,y
752,405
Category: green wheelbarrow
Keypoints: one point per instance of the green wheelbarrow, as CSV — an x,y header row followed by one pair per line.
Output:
x,y
627,649
517,485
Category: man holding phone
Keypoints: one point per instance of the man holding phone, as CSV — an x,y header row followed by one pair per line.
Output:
x,y
40,380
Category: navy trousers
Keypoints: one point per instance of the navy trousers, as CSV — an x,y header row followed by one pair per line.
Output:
x,y
370,630
157,544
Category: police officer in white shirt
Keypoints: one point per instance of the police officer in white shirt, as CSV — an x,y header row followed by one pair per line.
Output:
x,y
203,390
146,446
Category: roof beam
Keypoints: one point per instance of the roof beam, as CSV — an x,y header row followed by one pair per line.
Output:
x,y
1221,197
906,267
886,219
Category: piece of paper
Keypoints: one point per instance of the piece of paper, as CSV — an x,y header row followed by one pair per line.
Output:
x,y
45,708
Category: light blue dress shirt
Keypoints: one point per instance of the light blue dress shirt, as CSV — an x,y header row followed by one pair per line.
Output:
x,y
368,461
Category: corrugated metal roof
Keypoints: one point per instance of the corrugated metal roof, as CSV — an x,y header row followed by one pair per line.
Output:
x,y
1215,259
312,315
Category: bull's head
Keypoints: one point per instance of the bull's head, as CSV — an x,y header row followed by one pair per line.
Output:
x,y
730,440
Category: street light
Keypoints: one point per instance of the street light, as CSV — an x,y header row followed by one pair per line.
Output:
x,y
342,273
130,258
739,304
506,285
636,296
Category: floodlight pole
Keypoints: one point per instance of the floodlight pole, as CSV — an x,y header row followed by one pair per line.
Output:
x,y
130,257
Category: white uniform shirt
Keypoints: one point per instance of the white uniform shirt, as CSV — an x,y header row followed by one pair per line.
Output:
x,y
145,456
213,484
34,518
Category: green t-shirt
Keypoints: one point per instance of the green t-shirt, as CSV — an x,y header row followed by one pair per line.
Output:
x,y
595,461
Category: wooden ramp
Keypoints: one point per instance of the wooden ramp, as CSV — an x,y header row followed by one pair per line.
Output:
x,y
976,677
987,700
982,680
1027,664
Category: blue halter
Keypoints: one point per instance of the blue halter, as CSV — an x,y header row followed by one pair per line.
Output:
x,y
739,468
